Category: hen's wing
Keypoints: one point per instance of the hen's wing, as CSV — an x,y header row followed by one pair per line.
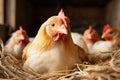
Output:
x,y
24,56
80,53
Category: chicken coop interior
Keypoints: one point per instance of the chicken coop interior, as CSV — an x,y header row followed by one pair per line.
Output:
x,y
82,13
60,40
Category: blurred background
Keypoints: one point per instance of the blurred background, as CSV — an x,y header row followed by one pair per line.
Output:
x,y
82,13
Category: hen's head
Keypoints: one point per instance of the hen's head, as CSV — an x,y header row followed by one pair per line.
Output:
x,y
56,27
90,35
108,32
20,36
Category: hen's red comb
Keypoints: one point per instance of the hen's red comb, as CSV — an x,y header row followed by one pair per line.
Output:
x,y
90,29
21,30
106,27
62,16
61,13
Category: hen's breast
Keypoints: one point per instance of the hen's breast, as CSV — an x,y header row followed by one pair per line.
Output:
x,y
101,46
17,51
48,61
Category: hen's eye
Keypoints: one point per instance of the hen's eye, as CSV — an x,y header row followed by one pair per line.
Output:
x,y
53,25
111,32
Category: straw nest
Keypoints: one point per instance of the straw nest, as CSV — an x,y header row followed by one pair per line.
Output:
x,y
101,66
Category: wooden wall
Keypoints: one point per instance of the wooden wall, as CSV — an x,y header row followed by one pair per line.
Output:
x,y
32,14
3,26
24,15
1,11
19,13
80,17
10,15
113,13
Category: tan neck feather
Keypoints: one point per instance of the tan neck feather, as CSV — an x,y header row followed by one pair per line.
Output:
x,y
42,41
116,40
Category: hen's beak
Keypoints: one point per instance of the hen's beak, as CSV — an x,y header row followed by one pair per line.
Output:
x,y
89,36
103,36
62,30
22,37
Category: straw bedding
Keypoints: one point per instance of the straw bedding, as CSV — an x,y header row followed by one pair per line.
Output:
x,y
101,66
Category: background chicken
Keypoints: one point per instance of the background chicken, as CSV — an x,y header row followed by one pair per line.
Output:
x,y
53,48
94,43
17,42
113,35
90,36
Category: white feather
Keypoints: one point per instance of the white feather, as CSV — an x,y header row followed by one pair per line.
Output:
x,y
15,51
31,39
101,46
78,40
47,61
